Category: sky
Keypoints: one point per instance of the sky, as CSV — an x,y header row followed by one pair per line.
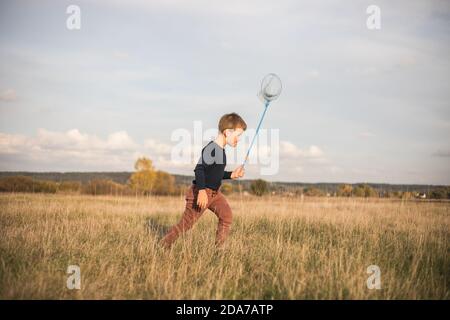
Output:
x,y
358,105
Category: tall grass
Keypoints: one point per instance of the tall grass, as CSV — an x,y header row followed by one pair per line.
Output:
x,y
279,248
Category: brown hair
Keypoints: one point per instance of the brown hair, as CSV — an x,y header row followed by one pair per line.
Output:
x,y
231,121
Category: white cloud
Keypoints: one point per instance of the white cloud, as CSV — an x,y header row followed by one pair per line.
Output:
x,y
11,144
75,140
71,150
8,95
294,163
120,141
121,55
314,152
157,147
366,134
290,150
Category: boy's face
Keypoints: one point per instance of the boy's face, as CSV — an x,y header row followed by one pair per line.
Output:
x,y
232,136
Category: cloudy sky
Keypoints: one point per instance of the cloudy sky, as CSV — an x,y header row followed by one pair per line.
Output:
x,y
358,105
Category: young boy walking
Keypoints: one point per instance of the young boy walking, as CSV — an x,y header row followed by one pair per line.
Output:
x,y
204,192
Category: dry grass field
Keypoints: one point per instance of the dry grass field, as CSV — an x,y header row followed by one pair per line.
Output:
x,y
279,248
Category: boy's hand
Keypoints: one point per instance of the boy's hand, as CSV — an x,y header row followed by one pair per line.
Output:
x,y
238,172
202,199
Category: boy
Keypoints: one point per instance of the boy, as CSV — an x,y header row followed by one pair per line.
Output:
x,y
209,172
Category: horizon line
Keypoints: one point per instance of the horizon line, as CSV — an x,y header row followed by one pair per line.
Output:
x,y
286,182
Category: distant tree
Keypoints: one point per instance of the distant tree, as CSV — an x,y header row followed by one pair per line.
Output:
x,y
440,193
103,187
259,187
392,194
143,180
344,190
143,164
164,183
69,186
358,191
226,188
146,180
364,190
313,192
26,184
46,187
370,192
17,184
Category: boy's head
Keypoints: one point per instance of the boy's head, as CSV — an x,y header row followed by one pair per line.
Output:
x,y
231,125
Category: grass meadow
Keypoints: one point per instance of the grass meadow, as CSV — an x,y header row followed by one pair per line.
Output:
x,y
279,248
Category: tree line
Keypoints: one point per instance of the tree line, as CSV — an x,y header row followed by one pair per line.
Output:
x,y
146,181
260,187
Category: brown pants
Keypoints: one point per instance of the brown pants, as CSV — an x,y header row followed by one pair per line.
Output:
x,y
216,203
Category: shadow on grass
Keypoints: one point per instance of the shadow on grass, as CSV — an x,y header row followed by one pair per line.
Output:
x,y
155,226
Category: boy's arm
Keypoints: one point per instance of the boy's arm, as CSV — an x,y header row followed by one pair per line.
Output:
x,y
200,179
237,173
200,176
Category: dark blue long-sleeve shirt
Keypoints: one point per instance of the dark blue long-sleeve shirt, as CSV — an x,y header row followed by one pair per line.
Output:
x,y
210,169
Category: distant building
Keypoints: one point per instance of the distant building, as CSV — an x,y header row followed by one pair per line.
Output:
x,y
421,195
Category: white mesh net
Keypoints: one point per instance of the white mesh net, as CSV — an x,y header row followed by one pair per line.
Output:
x,y
270,87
